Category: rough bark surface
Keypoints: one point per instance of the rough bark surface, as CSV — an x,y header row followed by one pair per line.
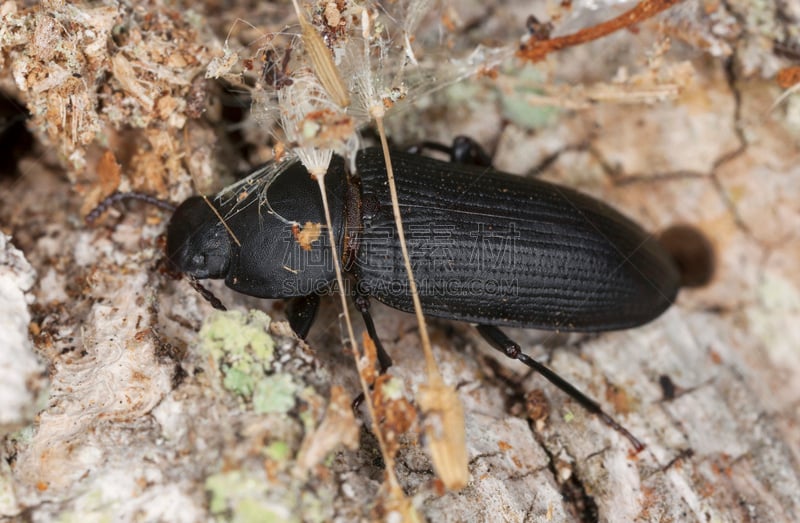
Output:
x,y
138,420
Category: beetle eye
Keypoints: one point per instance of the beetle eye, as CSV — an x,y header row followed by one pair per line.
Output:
x,y
199,260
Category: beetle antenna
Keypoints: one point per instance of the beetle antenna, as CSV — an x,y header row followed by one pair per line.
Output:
x,y
222,221
115,197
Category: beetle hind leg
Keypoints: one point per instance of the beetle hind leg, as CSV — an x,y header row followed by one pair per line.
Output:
x,y
504,344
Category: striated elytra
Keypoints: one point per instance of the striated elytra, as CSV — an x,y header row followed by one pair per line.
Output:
x,y
512,251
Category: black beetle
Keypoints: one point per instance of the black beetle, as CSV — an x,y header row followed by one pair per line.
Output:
x,y
487,247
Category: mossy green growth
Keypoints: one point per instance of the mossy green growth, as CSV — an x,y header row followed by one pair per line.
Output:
x,y
236,496
278,450
242,347
274,394
241,496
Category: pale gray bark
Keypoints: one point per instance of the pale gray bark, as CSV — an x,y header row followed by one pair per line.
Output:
x,y
138,426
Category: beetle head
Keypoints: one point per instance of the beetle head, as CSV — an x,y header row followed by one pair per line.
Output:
x,y
197,242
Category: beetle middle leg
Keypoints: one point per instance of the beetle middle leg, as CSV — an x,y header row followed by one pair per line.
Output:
x,y
504,344
384,360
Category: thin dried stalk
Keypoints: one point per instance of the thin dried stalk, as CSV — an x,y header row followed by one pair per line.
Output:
x,y
395,490
322,61
298,100
445,427
443,411
222,221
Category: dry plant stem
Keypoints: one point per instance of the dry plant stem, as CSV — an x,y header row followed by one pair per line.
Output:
x,y
322,61
447,442
394,485
535,50
433,369
222,220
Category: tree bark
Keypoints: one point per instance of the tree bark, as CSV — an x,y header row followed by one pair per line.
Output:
x,y
141,420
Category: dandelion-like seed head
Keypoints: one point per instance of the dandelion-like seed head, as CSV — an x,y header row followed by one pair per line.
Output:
x,y
315,126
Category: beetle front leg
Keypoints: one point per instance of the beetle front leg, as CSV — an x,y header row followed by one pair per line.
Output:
x,y
207,294
300,312
504,344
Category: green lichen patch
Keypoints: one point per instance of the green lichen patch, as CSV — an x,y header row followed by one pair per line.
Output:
x,y
274,394
245,497
240,345
278,451
236,496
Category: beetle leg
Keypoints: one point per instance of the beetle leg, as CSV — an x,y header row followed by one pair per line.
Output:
x,y
301,312
418,148
207,294
468,151
384,360
504,344
464,150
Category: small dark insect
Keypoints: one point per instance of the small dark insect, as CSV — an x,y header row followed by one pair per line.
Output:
x,y
538,30
487,247
274,73
668,388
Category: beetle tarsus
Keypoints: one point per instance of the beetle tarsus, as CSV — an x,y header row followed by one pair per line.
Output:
x,y
504,344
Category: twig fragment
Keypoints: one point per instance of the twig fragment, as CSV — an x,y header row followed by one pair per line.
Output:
x,y
540,44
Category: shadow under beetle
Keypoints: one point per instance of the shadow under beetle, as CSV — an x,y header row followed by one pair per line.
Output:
x,y
487,247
